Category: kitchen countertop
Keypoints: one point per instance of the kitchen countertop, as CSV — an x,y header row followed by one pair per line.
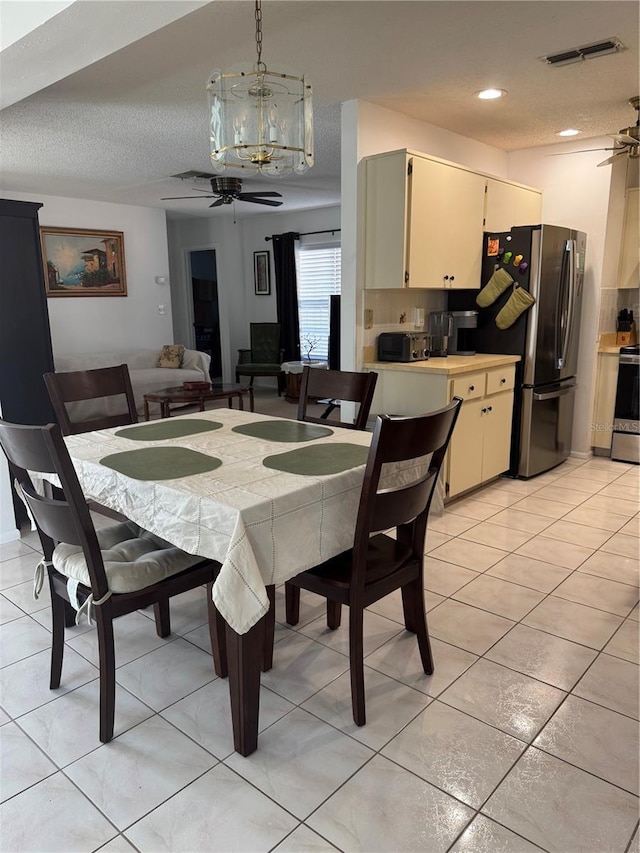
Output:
x,y
609,350
451,365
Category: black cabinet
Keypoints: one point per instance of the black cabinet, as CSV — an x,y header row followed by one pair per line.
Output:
x,y
25,338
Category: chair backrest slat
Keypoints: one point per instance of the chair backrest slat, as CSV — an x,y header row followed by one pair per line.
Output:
x,y
80,385
64,517
421,443
337,385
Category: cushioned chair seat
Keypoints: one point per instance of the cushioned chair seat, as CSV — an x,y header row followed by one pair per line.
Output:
x,y
133,558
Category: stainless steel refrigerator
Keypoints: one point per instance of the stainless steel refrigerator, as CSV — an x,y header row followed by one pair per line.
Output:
x,y
548,261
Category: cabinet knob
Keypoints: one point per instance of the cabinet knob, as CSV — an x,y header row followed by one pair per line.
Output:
x,y
502,381
484,411
490,409
452,278
472,387
446,278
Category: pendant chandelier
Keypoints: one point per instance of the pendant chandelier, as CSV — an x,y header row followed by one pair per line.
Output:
x,y
260,119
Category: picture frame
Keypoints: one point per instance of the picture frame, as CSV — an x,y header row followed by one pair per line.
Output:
x,y
262,273
83,262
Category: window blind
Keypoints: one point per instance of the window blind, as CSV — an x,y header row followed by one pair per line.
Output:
x,y
318,271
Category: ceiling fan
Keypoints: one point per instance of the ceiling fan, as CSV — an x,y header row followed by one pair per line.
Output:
x,y
626,141
228,190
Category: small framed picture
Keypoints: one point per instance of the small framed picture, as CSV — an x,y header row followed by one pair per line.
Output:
x,y
262,273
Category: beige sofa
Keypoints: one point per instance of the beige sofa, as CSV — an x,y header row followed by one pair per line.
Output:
x,y
146,376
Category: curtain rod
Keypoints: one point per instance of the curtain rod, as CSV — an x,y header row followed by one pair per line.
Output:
x,y
309,233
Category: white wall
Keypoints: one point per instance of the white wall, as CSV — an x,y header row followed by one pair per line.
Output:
x,y
234,245
82,324
575,194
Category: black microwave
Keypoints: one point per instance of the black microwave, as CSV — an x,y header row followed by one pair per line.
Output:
x,y
403,346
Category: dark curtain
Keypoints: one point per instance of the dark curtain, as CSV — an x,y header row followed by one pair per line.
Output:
x,y
287,293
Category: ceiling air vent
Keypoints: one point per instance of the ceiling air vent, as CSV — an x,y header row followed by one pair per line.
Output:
x,y
587,51
192,174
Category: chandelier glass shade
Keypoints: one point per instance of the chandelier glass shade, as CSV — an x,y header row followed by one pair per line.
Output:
x,y
260,119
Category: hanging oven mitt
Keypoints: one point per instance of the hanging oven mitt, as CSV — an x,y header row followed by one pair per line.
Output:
x,y
496,285
519,302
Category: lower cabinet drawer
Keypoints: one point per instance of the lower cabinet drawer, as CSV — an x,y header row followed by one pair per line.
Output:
x,y
502,379
469,386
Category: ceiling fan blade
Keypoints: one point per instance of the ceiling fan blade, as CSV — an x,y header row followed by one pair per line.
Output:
x,y
216,203
260,201
174,197
580,151
624,138
257,194
611,159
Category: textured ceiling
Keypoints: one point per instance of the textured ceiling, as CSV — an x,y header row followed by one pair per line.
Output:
x,y
131,110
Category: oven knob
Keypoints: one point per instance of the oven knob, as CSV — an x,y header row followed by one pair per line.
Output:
x,y
415,354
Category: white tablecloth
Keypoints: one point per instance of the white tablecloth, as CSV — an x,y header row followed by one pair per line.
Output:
x,y
263,525
299,366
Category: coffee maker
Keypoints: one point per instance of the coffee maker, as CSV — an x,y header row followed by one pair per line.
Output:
x,y
439,329
461,338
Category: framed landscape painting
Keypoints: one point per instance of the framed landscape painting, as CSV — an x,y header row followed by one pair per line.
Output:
x,y
80,262
261,273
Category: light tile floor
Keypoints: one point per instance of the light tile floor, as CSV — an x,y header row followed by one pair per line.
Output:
x,y
525,738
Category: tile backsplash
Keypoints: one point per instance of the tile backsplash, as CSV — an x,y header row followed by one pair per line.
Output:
x,y
611,302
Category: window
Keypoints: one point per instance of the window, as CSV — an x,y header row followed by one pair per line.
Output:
x,y
318,271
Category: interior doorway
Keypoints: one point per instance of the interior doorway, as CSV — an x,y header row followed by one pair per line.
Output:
x,y
206,314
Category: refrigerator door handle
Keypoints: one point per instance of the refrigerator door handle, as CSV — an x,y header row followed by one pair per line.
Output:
x,y
551,395
571,299
562,308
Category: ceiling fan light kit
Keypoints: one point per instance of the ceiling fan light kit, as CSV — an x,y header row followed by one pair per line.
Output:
x,y
260,119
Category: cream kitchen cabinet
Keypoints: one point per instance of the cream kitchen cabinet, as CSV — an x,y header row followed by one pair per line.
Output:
x,y
423,223
481,443
509,204
629,271
606,384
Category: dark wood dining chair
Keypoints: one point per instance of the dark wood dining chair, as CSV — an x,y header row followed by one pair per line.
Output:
x,y
336,386
265,356
119,569
378,563
66,389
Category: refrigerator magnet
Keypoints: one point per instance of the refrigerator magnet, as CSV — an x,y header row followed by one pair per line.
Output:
x,y
493,247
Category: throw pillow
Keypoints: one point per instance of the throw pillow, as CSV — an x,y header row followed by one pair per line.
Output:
x,y
171,356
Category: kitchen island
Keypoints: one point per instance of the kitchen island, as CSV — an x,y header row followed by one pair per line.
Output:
x,y
480,447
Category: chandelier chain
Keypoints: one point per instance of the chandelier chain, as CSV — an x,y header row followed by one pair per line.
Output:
x,y
258,16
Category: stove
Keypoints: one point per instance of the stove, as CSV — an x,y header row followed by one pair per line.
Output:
x,y
625,445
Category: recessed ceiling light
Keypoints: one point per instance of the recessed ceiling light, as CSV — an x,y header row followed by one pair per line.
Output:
x,y
570,131
490,94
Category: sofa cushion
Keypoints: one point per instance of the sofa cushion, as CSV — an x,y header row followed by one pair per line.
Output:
x,y
171,356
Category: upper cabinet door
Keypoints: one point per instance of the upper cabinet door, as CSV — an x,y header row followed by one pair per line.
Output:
x,y
629,271
386,220
446,207
508,205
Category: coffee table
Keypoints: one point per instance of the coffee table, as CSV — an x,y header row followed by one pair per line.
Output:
x,y
180,395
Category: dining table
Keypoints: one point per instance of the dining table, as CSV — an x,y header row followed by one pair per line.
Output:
x,y
266,497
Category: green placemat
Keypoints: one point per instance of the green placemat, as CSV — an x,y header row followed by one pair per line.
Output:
x,y
318,459
160,463
167,429
283,430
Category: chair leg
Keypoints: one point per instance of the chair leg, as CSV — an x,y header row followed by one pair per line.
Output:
x,y
292,602
107,658
356,659
218,636
334,614
408,609
163,618
69,614
413,599
58,614
269,629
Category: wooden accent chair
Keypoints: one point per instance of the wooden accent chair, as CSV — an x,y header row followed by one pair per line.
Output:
x,y
80,385
337,385
379,564
265,356
119,569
